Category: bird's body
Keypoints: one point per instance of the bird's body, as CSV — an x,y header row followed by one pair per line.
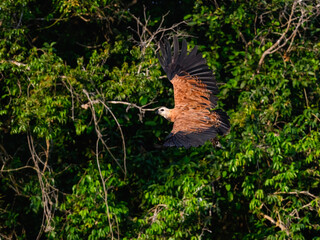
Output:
x,y
194,97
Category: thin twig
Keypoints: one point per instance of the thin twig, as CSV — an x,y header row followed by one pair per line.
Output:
x,y
49,196
316,117
276,46
100,139
277,223
97,128
306,97
296,193
17,169
300,13
122,137
146,37
141,109
104,188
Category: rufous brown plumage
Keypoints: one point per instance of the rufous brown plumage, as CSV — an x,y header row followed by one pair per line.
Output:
x,y
193,117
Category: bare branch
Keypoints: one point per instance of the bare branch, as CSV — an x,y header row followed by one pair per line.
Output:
x,y
142,109
104,188
277,45
146,36
72,92
298,17
2,170
19,64
156,210
49,194
297,193
122,137
278,223
98,131
100,139
316,117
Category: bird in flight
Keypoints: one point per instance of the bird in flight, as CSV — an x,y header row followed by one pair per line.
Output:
x,y
193,117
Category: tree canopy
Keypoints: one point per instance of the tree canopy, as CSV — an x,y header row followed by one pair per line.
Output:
x,y
81,148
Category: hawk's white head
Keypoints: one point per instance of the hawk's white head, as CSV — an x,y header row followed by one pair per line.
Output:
x,y
164,112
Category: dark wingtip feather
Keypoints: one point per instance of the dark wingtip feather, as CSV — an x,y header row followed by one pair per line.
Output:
x,y
187,140
224,125
182,63
175,49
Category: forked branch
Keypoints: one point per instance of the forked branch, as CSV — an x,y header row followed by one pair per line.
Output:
x,y
300,13
146,36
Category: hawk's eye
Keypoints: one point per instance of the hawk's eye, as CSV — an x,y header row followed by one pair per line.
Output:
x,y
161,110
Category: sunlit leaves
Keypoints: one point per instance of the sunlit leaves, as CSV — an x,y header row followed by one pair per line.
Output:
x,y
86,216
261,184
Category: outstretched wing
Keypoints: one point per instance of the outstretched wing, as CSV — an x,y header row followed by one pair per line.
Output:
x,y
194,95
184,64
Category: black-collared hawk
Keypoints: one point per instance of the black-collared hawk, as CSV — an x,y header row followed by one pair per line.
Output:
x,y
193,117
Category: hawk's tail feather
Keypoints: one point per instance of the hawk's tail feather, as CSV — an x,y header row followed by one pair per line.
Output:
x,y
224,123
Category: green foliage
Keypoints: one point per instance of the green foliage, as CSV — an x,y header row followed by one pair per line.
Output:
x,y
84,215
80,157
178,208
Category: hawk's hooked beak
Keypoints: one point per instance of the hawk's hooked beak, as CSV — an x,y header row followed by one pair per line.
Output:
x,y
157,111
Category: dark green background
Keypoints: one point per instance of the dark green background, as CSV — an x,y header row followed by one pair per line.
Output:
x,y
57,56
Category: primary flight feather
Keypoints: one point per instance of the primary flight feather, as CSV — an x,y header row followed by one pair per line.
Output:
x,y
194,97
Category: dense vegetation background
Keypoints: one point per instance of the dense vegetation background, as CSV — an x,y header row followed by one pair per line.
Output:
x,y
80,146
